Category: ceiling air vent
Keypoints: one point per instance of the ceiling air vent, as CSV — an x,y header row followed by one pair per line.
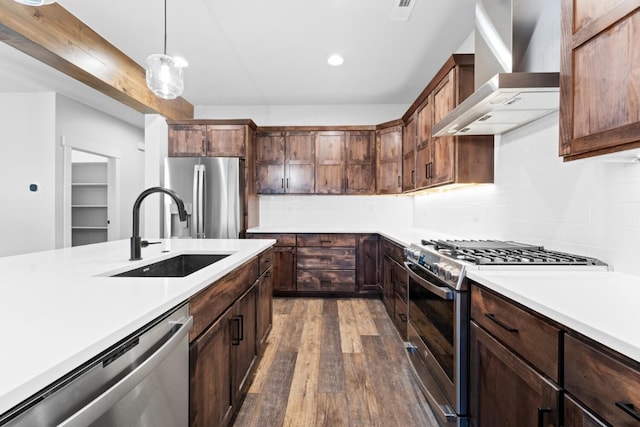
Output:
x,y
402,10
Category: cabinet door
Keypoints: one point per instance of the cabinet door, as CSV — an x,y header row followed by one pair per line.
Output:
x,y
265,298
226,140
424,145
270,159
209,375
187,140
330,162
409,155
367,267
389,160
284,269
300,162
504,390
442,169
243,342
360,150
388,285
599,84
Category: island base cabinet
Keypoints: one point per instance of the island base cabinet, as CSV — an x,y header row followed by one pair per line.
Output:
x,y
243,343
210,402
504,390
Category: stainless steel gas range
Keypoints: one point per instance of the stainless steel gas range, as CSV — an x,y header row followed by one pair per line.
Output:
x,y
438,312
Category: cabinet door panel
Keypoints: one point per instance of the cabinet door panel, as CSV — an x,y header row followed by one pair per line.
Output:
x,y
368,251
284,269
187,140
270,161
300,161
226,140
577,416
409,155
360,163
444,100
389,160
505,391
330,162
210,375
243,342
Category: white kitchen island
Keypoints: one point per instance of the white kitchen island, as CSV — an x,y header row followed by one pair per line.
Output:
x,y
60,308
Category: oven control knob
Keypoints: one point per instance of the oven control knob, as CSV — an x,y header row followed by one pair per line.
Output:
x,y
447,273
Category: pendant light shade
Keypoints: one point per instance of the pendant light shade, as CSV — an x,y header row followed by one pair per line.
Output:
x,y
164,76
164,73
35,2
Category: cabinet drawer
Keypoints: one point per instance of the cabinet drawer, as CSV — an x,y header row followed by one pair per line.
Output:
x,y
400,281
265,260
326,258
207,305
577,416
327,280
393,250
601,382
281,239
533,338
327,240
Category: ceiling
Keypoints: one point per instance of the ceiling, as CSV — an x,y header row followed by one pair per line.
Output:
x,y
268,52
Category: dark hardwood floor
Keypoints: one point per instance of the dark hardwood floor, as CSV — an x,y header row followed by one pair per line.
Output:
x,y
333,362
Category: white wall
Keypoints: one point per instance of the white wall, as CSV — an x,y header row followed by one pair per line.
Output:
x,y
589,207
81,121
27,141
305,115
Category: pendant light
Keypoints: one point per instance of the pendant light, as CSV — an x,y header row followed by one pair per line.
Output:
x,y
35,2
164,73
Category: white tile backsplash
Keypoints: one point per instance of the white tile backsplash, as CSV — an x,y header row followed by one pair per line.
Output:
x,y
358,212
590,206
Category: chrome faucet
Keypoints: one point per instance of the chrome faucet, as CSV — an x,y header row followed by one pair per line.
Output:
x,y
136,241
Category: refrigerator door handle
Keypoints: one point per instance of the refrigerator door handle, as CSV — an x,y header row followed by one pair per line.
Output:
x,y
201,202
195,219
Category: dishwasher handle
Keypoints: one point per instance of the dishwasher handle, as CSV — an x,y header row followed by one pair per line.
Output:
x,y
101,404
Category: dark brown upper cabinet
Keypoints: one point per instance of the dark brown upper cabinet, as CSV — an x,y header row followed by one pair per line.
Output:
x,y
389,158
360,150
210,138
599,78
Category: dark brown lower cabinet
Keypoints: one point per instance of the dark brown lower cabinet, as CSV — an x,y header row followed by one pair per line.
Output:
x,y
576,415
210,402
265,305
504,390
368,250
284,269
220,363
243,343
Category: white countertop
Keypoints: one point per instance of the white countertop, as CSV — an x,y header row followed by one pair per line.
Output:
x,y
58,309
600,305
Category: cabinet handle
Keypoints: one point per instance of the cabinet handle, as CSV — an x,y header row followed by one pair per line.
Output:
x,y
267,274
399,181
326,259
403,317
204,149
282,183
413,177
426,170
541,412
287,182
268,260
629,409
493,317
241,327
325,282
235,340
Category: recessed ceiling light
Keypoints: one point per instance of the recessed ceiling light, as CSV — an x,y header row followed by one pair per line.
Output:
x,y
335,60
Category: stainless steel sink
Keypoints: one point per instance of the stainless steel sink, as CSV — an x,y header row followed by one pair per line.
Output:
x,y
177,266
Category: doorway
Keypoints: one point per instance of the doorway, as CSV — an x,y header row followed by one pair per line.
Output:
x,y
91,192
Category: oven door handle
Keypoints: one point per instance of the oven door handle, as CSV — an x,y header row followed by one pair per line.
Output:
x,y
444,293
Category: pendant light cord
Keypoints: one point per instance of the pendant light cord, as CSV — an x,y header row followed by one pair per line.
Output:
x,y
165,27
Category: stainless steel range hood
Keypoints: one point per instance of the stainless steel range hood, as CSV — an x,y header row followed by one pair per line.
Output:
x,y
517,51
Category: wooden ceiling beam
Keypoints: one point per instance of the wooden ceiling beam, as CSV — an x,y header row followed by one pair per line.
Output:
x,y
54,36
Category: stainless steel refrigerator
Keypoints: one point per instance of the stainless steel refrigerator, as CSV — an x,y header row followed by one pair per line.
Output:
x,y
212,189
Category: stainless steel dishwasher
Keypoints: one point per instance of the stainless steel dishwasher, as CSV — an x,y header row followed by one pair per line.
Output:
x,y
141,381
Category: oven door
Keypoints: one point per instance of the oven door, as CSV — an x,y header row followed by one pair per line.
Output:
x,y
437,350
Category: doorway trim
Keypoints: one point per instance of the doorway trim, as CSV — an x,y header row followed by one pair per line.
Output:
x,y
113,155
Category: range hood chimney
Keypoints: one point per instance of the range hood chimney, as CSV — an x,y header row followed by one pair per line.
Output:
x,y
517,58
